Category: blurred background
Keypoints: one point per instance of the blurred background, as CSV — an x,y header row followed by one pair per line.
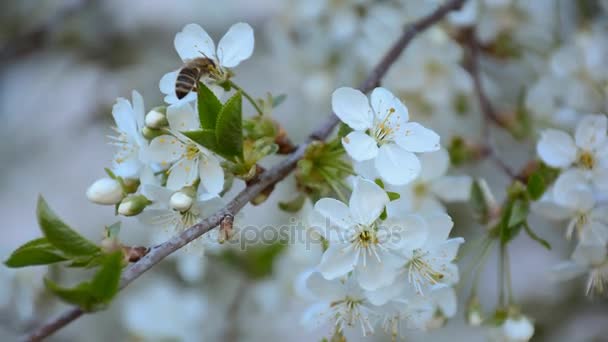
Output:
x,y
64,62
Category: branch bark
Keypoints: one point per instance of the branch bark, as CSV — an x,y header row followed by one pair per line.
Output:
x,y
267,178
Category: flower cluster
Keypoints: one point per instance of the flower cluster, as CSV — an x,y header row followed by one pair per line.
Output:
x,y
579,194
158,172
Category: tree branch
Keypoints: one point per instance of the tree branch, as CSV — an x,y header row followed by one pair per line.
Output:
x,y
267,178
487,109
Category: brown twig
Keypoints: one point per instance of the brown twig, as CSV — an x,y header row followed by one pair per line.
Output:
x,y
487,109
264,180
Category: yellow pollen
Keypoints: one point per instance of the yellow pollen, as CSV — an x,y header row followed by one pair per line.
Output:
x,y
192,151
420,190
586,160
367,238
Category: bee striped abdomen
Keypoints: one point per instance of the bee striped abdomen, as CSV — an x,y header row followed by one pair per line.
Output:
x,y
186,81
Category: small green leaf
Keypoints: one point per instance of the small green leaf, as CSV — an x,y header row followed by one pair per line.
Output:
x,y
384,214
535,237
208,106
61,235
204,137
277,100
110,173
106,281
478,203
229,128
379,182
294,205
344,130
80,295
35,252
536,186
519,213
393,196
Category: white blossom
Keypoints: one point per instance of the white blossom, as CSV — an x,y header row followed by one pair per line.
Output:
x,y
106,191
194,42
187,161
382,133
129,119
590,259
359,241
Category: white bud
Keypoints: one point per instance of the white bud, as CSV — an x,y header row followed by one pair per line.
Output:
x,y
106,191
180,201
518,328
155,119
133,205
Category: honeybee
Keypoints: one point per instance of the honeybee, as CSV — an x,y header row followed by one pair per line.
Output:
x,y
190,73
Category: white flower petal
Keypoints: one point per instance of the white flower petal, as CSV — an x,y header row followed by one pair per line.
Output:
x,y
167,87
182,174
591,131
383,102
446,299
383,295
157,194
138,109
352,107
406,233
334,210
414,137
194,42
572,191
360,146
164,150
182,117
236,45
556,148
600,178
434,164
124,117
367,201
452,188
211,174
373,273
397,166
567,270
322,288
338,260
439,226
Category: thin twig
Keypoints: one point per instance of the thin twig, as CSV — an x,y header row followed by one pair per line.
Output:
x,y
487,109
267,178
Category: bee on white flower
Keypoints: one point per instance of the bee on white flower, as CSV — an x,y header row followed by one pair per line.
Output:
x,y
360,241
186,160
194,42
382,133
129,119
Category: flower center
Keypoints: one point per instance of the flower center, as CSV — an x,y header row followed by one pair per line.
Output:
x,y
192,151
421,273
383,130
433,68
366,238
586,160
420,190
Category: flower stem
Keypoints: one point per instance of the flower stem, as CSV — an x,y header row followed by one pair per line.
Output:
x,y
248,97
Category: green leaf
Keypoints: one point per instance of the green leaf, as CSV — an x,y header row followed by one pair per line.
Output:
x,y
344,130
106,281
229,128
384,214
393,196
519,213
277,100
61,235
478,203
535,237
35,252
208,106
294,205
379,182
536,186
80,295
204,137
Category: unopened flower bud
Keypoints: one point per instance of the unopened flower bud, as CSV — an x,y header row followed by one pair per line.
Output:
x,y
474,315
105,191
133,205
151,133
156,118
518,328
180,201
